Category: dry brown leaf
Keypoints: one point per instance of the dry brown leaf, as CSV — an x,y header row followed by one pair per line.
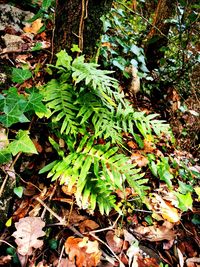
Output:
x,y
82,251
88,225
72,216
34,27
64,262
149,146
165,209
66,190
114,242
29,229
22,210
147,262
132,145
156,232
125,193
193,262
139,159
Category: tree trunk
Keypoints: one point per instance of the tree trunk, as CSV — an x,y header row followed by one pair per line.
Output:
x,y
157,36
78,22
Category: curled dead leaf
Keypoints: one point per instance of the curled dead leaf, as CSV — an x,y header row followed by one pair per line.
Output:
x,y
155,232
88,225
114,242
165,208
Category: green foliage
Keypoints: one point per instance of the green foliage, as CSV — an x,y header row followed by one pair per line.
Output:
x,y
20,75
15,106
18,191
22,143
119,43
97,171
85,104
44,12
5,156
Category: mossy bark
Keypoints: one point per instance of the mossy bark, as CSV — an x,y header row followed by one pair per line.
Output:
x,y
78,22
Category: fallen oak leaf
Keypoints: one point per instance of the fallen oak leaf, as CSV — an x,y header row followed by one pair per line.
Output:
x,y
82,251
29,229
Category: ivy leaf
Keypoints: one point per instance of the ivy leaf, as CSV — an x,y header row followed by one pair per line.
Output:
x,y
135,49
12,106
64,60
12,115
20,75
35,103
22,144
5,156
75,48
184,188
166,176
185,201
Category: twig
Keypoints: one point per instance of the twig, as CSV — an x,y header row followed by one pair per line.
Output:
x,y
61,220
81,26
61,254
121,263
7,175
107,228
50,197
3,241
52,38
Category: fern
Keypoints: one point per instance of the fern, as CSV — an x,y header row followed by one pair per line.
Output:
x,y
60,100
85,104
98,191
102,161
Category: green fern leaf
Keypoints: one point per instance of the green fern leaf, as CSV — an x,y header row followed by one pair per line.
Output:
x,y
60,100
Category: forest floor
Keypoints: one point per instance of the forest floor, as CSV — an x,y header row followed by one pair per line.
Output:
x,y
74,237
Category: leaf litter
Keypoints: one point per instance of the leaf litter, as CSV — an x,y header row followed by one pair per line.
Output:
x,y
82,239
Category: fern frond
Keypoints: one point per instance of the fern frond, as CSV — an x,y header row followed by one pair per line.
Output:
x,y
98,80
102,160
60,100
98,192
98,117
127,118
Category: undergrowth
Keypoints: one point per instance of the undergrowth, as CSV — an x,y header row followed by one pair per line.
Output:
x,y
90,116
85,105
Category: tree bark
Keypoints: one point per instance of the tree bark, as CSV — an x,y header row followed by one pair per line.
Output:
x,y
157,36
78,22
